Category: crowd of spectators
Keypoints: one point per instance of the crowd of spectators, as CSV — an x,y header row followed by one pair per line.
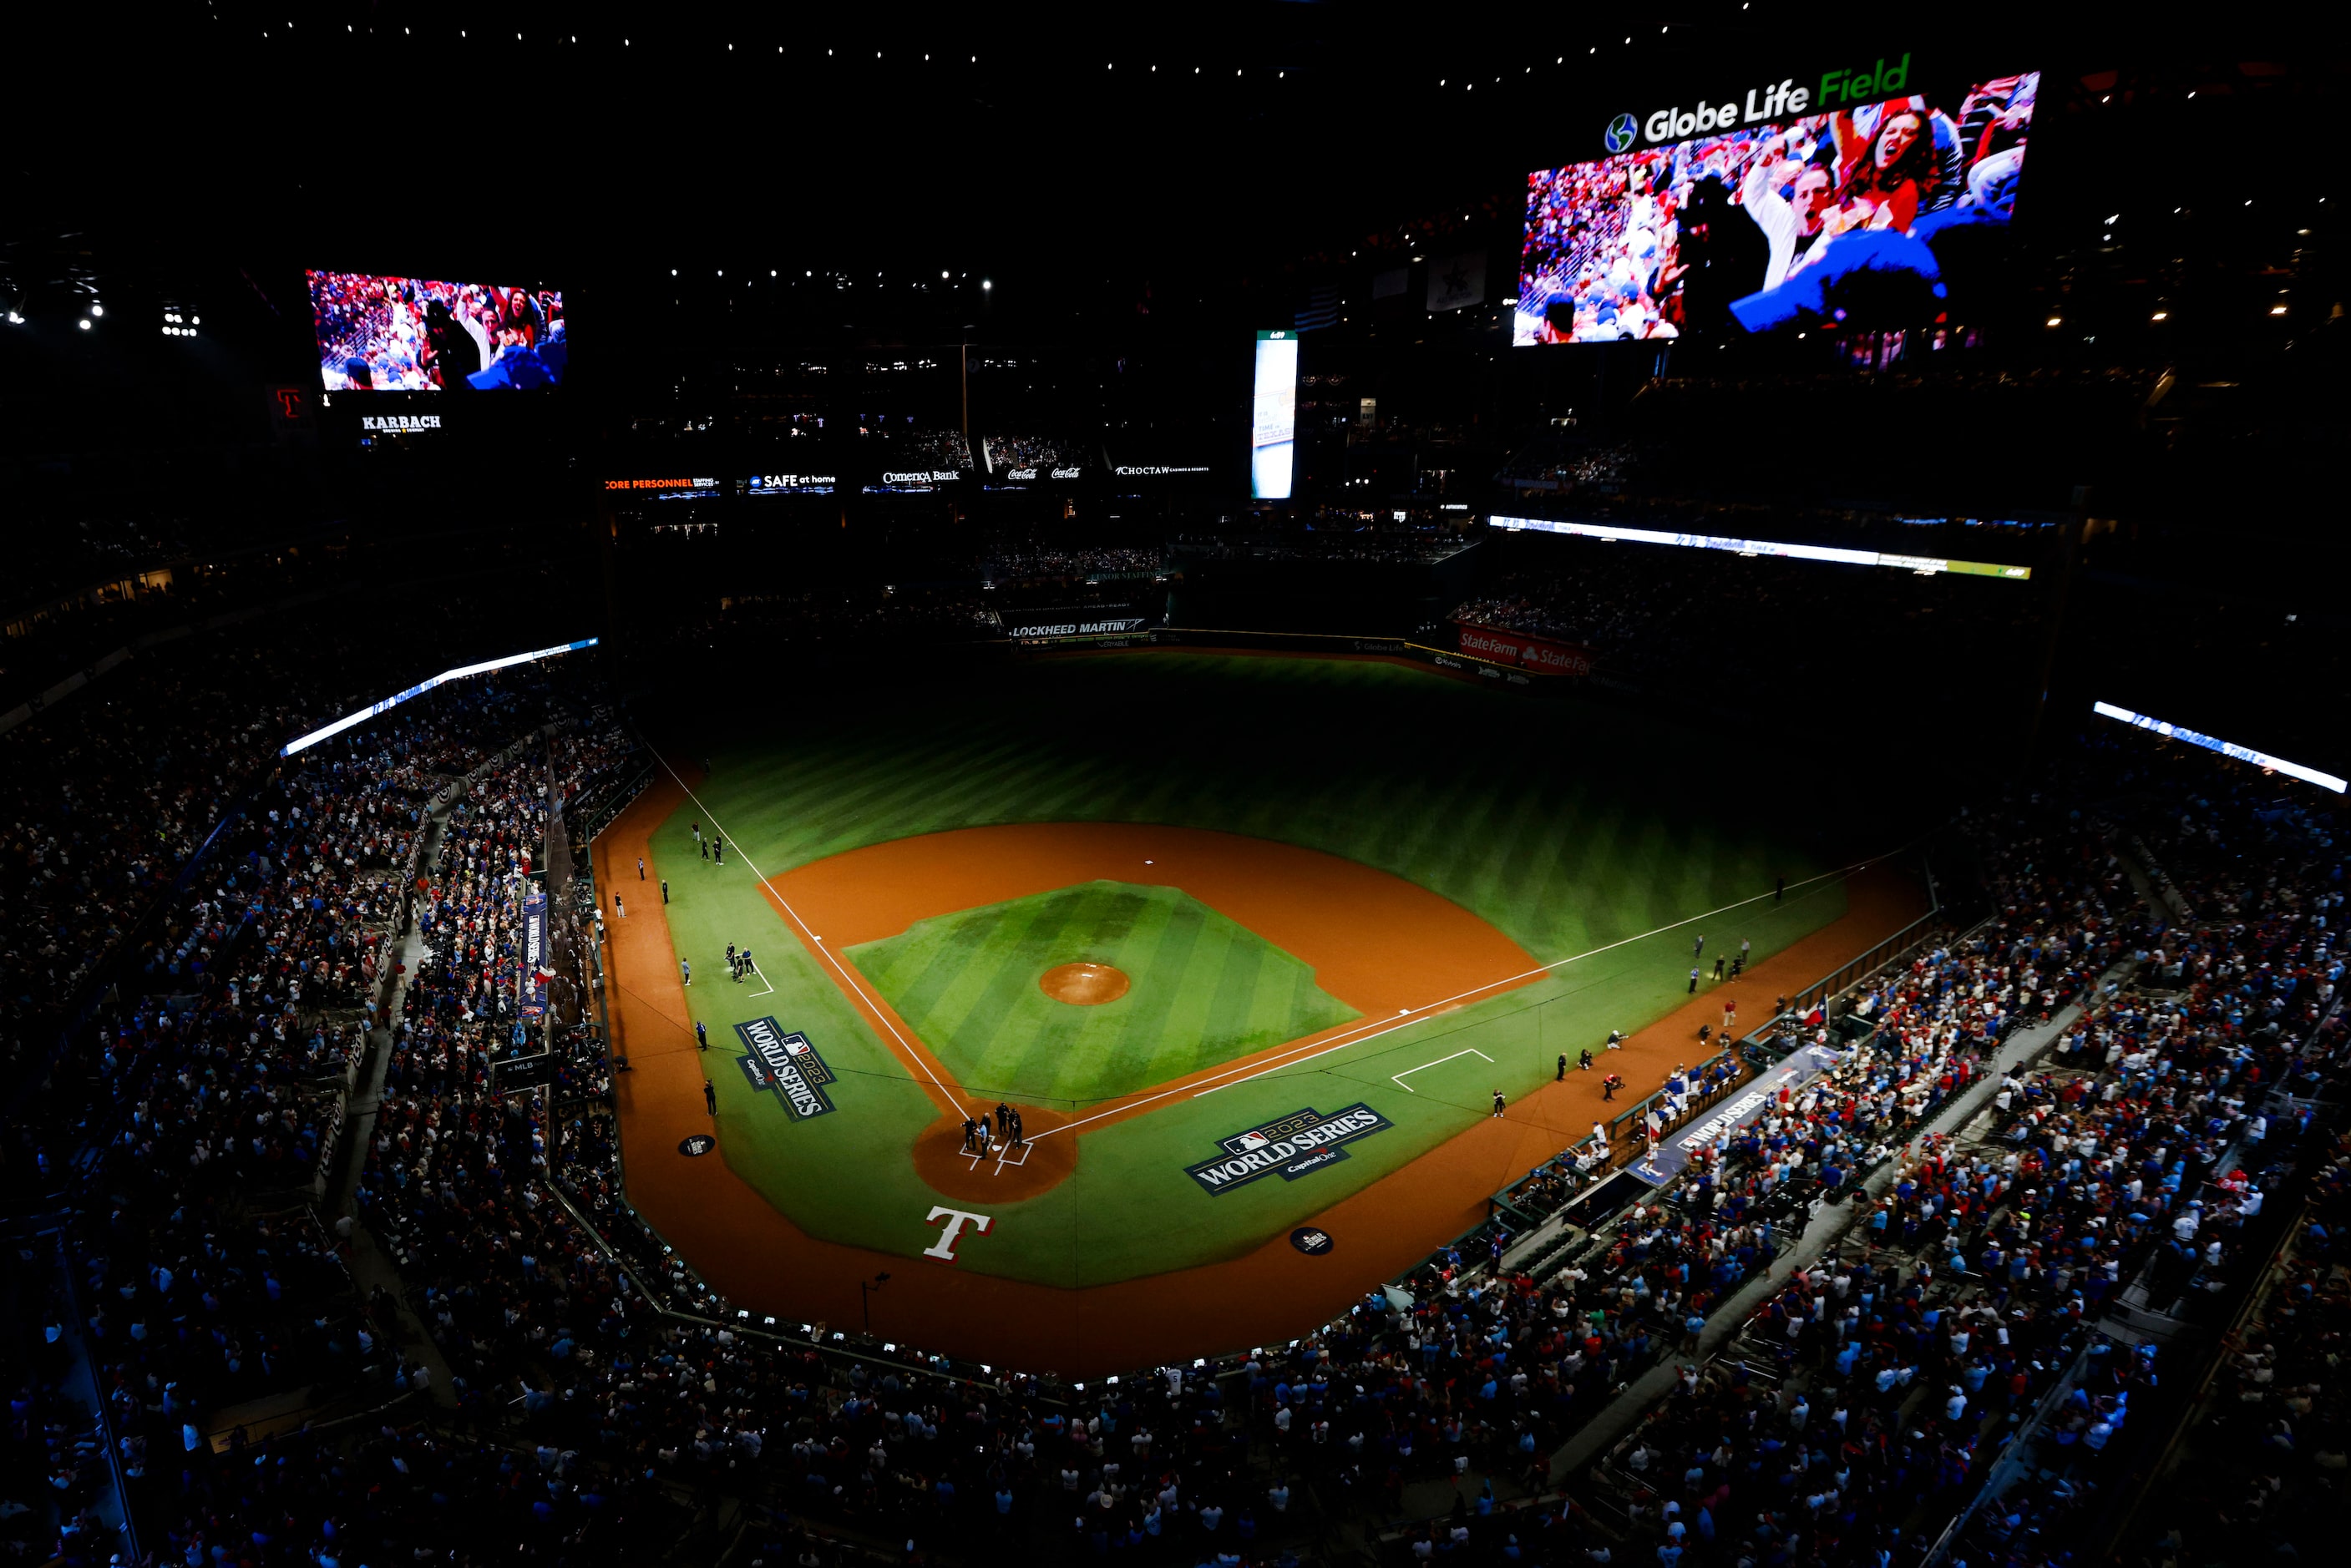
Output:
x,y
2265,1452
199,1113
1858,1406
1004,453
2127,1165
917,447
1568,466
1656,619
874,617
1337,538
1608,603
106,798
1033,560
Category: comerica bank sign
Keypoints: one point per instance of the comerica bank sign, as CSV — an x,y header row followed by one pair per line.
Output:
x,y
1842,88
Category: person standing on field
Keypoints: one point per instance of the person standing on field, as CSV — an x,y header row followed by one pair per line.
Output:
x,y
1497,1102
684,972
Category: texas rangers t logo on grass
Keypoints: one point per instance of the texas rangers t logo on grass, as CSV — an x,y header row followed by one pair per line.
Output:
x,y
1292,1145
944,1248
787,1063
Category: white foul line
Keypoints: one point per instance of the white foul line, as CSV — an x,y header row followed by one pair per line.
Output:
x,y
816,943
1399,1078
1424,1012
1430,1010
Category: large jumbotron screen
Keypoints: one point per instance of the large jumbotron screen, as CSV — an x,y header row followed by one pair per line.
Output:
x,y
418,335
1753,213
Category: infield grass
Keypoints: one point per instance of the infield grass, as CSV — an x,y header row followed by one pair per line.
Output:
x,y
1204,991
1574,828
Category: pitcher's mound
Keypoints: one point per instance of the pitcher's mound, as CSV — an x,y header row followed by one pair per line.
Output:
x,y
1084,984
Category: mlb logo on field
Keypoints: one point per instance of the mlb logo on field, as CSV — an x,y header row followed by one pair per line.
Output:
x,y
795,1045
1249,1140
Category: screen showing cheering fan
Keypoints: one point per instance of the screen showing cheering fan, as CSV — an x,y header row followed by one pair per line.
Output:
x,y
1873,211
416,335
1273,418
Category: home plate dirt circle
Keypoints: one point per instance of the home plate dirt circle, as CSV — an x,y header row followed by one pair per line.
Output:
x,y
1036,1167
1084,984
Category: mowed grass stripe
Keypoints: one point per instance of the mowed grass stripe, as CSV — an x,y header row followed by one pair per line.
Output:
x,y
1349,775
985,998
908,799
1168,1018
1203,991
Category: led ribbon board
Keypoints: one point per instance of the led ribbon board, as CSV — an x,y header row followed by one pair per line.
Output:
x,y
1926,566
421,687
2226,748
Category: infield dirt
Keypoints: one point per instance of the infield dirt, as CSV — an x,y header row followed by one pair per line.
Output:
x,y
762,1262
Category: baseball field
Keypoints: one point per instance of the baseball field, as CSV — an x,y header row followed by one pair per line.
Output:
x,y
1250,945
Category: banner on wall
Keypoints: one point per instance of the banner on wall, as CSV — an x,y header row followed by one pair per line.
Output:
x,y
1456,283
1525,650
535,968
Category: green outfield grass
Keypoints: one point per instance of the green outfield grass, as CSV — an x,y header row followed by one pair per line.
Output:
x,y
1204,991
1574,828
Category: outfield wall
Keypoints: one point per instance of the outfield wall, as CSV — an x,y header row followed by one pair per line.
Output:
x,y
1323,644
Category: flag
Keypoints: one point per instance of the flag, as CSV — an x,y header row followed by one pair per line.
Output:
x,y
1457,282
1322,309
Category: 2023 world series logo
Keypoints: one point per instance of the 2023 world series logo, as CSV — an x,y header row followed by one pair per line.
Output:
x,y
787,1063
1289,1147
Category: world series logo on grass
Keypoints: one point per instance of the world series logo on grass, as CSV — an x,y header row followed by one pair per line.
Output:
x,y
1294,1144
787,1063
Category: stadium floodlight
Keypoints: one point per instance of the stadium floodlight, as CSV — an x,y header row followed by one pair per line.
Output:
x,y
421,687
2226,748
1923,565
96,309
83,323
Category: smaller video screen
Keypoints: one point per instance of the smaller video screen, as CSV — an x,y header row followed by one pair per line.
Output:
x,y
382,334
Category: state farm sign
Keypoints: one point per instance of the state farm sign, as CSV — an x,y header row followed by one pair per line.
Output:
x,y
1525,651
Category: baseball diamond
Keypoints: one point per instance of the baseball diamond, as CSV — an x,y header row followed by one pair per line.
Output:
x,y
1331,973
1282,788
